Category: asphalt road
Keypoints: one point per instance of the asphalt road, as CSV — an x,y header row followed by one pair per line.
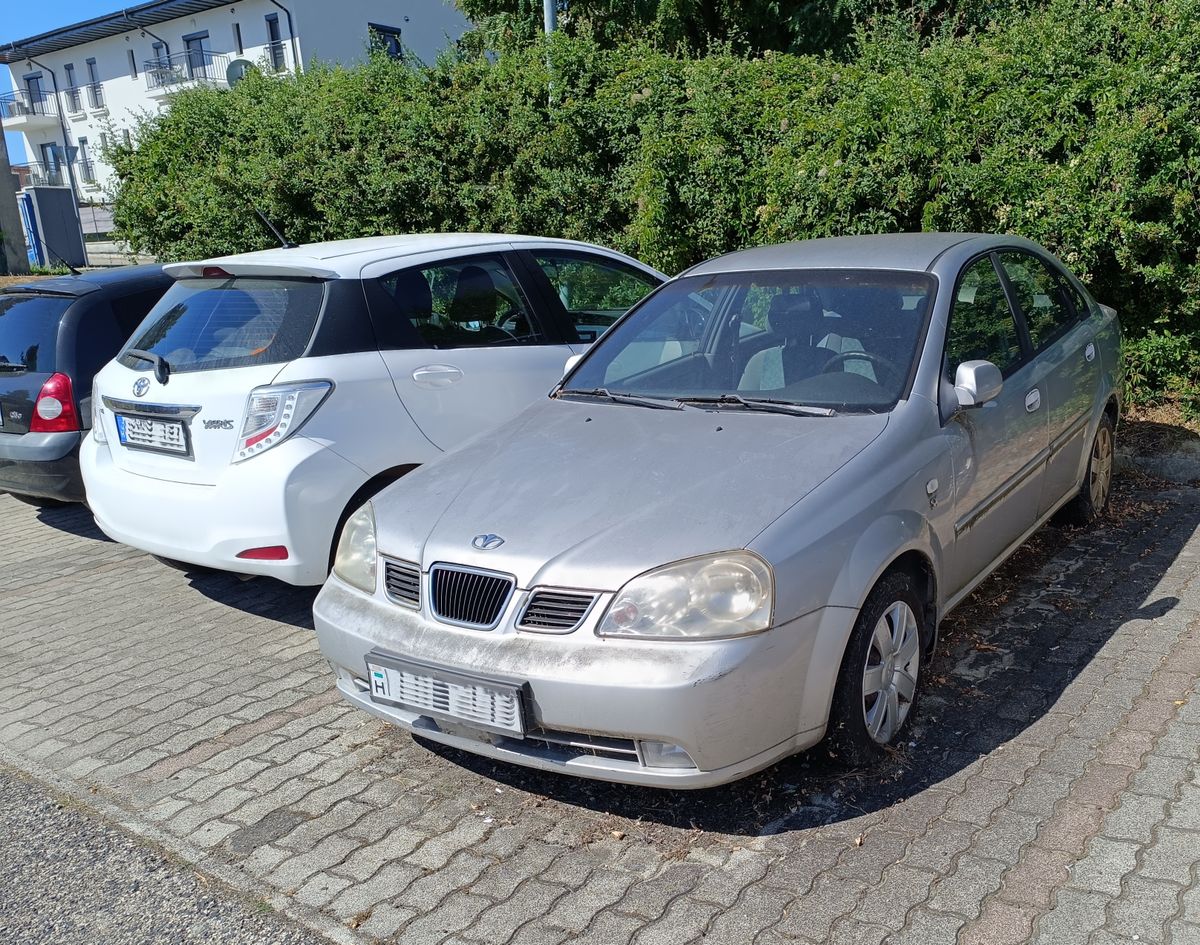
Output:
x,y
69,879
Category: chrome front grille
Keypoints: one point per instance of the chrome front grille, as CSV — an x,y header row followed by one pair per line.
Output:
x,y
402,581
555,611
467,596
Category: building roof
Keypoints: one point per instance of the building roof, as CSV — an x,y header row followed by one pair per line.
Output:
x,y
111,24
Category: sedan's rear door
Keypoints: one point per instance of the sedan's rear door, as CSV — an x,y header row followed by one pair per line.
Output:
x,y
464,341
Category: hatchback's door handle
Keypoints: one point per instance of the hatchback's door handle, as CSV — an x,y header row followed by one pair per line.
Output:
x,y
1033,400
1089,353
436,375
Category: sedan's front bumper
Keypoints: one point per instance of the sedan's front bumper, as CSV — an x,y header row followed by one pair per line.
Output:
x,y
735,706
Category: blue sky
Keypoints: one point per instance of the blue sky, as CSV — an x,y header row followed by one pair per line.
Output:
x,y
22,19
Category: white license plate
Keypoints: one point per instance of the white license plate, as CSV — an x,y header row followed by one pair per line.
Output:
x,y
142,433
477,703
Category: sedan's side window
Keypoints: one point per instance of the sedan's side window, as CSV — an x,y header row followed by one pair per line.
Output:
x,y
982,327
1040,295
464,303
595,292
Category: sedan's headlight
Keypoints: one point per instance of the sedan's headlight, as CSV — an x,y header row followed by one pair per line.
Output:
x,y
354,561
723,595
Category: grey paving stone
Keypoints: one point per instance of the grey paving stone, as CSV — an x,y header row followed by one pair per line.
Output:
x,y
1104,866
1135,817
1075,916
1142,913
963,891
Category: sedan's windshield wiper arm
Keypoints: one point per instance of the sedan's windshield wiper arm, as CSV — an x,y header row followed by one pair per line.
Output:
x,y
619,398
162,369
762,403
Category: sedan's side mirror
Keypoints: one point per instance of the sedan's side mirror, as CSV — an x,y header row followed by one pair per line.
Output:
x,y
977,382
571,362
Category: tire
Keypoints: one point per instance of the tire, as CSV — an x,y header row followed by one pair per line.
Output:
x,y
863,723
1096,489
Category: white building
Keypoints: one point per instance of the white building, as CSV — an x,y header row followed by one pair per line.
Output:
x,y
77,85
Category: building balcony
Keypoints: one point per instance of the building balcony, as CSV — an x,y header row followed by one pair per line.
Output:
x,y
25,111
278,57
95,97
86,171
40,175
74,102
185,70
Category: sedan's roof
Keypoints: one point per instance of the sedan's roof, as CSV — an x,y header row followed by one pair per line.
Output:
x,y
905,251
346,258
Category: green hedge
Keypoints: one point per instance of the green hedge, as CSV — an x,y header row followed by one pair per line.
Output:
x,y
1076,126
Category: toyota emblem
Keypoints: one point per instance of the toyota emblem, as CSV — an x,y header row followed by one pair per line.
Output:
x,y
487,542
140,386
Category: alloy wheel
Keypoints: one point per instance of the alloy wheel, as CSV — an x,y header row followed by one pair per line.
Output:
x,y
1100,481
890,672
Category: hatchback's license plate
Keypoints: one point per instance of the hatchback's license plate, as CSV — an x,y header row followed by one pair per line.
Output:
x,y
477,703
143,433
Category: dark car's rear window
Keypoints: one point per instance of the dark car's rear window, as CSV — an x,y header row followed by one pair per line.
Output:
x,y
208,324
29,332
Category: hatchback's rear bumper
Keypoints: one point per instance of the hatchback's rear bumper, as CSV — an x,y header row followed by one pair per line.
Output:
x,y
734,705
42,465
292,495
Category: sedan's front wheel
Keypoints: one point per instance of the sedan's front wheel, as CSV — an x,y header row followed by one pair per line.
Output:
x,y
879,681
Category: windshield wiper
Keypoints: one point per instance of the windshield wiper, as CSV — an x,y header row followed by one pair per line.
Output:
x,y
13,366
762,403
619,398
162,369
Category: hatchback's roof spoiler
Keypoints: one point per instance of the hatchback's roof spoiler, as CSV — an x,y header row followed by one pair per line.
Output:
x,y
224,268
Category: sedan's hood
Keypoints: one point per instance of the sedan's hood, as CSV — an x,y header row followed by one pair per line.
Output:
x,y
588,495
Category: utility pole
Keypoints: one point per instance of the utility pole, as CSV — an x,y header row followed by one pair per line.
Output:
x,y
550,15
14,259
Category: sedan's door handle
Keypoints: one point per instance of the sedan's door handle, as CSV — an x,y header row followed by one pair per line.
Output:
x,y
436,375
1089,353
1033,400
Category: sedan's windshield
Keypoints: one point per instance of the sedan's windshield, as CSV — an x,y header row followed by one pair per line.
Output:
x,y
843,339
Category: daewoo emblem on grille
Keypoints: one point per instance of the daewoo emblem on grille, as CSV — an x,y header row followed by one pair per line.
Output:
x,y
140,386
487,542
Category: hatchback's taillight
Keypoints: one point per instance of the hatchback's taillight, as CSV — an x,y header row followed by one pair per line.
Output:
x,y
275,412
54,411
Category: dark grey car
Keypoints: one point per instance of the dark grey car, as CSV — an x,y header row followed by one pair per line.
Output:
x,y
736,524
55,334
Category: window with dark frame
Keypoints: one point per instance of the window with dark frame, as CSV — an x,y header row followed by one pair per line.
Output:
x,y
275,50
386,38
133,72
237,39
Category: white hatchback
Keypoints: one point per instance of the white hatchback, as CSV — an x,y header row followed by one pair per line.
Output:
x,y
269,394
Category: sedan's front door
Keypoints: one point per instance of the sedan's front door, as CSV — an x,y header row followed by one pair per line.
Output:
x,y
1000,448
478,352
1063,339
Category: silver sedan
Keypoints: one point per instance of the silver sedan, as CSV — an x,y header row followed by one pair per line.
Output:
x,y
734,527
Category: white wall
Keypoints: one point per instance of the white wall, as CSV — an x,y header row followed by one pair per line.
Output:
x,y
328,30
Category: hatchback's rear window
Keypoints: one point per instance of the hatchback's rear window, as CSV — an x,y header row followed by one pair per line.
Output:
x,y
207,324
29,332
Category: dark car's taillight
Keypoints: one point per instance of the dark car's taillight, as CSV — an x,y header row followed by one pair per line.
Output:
x,y
54,411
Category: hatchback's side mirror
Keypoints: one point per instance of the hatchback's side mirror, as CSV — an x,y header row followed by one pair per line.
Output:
x,y
977,382
571,362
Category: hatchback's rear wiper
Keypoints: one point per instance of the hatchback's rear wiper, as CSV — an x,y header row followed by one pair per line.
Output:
x,y
762,403
162,369
619,398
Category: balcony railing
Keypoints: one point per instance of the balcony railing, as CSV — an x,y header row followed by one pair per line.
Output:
x,y
87,170
96,95
40,175
181,69
23,104
277,56
74,100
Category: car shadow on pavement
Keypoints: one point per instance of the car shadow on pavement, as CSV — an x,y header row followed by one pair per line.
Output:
x,y
74,519
1005,657
260,596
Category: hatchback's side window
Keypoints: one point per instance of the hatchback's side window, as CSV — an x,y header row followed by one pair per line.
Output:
x,y
1040,296
595,292
982,327
464,303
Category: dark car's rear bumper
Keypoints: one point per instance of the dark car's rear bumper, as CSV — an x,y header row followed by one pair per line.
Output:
x,y
45,465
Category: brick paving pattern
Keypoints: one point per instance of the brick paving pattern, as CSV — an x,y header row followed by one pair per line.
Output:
x,y
1050,793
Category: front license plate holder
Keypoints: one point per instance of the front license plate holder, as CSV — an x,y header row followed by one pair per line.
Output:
x,y
480,702
153,435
